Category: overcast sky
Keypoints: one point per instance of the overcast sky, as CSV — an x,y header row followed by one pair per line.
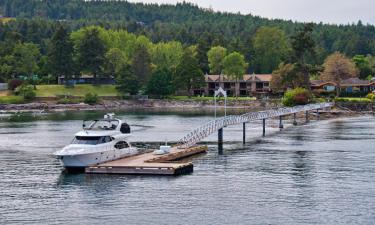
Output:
x,y
327,11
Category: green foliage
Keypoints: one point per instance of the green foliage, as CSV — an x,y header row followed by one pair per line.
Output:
x,y
363,66
60,54
188,74
26,91
297,96
91,51
127,82
25,57
271,47
67,100
235,65
216,57
160,83
91,99
141,64
167,55
371,96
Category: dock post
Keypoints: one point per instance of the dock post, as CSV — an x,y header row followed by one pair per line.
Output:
x,y
317,114
264,127
281,126
295,119
244,133
307,116
220,141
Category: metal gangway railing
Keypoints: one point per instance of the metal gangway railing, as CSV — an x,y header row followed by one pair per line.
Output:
x,y
209,128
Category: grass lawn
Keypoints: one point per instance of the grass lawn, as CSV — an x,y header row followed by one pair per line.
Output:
x,y
353,99
79,90
11,99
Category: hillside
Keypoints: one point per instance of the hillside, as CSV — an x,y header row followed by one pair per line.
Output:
x,y
189,24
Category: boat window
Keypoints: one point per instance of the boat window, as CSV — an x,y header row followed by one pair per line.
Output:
x,y
101,125
84,140
121,145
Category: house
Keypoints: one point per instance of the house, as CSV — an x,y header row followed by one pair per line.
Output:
x,y
87,79
3,86
247,85
348,86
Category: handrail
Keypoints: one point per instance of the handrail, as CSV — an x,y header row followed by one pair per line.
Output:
x,y
210,127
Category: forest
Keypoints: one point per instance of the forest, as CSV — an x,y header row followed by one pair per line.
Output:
x,y
150,42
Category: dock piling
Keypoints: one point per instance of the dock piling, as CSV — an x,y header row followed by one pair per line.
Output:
x,y
281,126
264,127
220,141
317,114
295,119
307,116
244,133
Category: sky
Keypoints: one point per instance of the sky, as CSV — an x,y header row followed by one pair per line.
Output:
x,y
326,11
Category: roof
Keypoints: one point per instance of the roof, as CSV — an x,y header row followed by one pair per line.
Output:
x,y
246,77
354,81
319,83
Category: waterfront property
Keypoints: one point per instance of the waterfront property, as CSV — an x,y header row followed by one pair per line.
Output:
x,y
348,86
248,85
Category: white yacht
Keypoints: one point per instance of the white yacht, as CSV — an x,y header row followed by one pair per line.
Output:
x,y
99,141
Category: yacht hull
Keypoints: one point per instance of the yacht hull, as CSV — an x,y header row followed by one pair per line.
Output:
x,y
79,162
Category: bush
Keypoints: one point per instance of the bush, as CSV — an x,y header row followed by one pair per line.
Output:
x,y
298,96
27,91
65,101
371,96
91,99
15,83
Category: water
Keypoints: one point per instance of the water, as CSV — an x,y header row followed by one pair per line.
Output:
x,y
321,173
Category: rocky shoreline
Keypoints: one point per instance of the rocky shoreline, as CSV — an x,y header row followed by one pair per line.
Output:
x,y
118,105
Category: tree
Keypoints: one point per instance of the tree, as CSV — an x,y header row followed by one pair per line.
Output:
x,y
167,55
188,74
303,46
26,58
160,83
114,61
362,65
271,47
216,57
234,65
91,52
338,67
127,82
60,55
141,64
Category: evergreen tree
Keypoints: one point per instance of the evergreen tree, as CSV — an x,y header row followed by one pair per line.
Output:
x,y
127,82
188,74
160,83
60,55
91,52
141,64
303,46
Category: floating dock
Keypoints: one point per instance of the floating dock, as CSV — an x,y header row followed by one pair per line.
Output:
x,y
150,164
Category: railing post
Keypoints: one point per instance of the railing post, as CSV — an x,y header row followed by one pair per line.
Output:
x,y
281,126
244,133
264,127
295,119
307,116
220,141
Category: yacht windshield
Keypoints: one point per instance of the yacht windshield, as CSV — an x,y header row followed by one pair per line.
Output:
x,y
101,124
84,140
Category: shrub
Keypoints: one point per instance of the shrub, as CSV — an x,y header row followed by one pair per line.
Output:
x,y
91,99
371,96
298,96
27,91
15,83
64,101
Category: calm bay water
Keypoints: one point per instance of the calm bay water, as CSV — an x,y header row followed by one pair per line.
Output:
x,y
321,173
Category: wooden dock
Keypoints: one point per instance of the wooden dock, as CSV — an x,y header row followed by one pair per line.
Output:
x,y
150,164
